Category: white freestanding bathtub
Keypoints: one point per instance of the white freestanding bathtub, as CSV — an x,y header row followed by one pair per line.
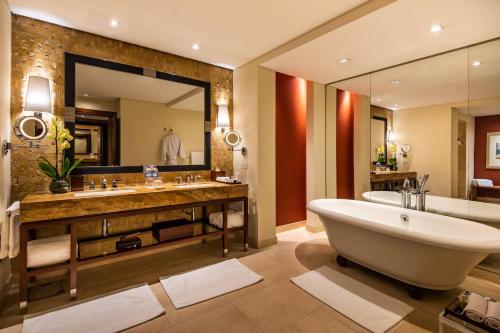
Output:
x,y
428,250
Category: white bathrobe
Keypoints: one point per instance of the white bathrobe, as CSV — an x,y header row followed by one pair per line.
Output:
x,y
171,147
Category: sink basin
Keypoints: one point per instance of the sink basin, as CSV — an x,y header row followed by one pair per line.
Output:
x,y
193,185
89,194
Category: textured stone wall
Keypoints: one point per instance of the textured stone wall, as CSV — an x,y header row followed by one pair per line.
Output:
x,y
38,48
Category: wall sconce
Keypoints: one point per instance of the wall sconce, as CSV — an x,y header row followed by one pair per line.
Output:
x,y
38,99
391,136
223,117
32,128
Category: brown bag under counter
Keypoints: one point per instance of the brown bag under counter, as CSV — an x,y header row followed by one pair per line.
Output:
x,y
170,230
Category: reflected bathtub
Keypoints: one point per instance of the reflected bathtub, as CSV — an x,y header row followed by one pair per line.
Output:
x,y
488,213
428,250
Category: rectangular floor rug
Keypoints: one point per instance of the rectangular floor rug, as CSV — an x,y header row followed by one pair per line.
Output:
x,y
208,282
364,305
112,313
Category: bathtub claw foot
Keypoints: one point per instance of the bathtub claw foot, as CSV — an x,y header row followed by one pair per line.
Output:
x,y
415,292
342,261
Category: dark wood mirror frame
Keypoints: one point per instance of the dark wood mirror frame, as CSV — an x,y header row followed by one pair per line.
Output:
x,y
385,137
70,62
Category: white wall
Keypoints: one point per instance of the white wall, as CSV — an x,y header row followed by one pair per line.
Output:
x,y
315,151
96,104
331,142
254,117
428,130
361,145
142,129
5,56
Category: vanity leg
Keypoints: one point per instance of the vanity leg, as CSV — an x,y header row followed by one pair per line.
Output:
x,y
73,264
204,217
23,267
224,225
245,224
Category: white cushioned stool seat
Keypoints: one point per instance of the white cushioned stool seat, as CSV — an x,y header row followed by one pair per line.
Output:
x,y
234,219
48,251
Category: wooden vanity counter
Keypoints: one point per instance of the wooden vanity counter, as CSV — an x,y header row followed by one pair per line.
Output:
x,y
43,207
38,211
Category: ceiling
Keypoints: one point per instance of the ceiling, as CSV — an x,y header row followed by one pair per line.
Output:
x,y
109,85
446,79
230,33
396,33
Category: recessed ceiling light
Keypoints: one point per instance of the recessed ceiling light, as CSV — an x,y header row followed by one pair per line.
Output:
x,y
195,46
114,23
396,82
85,95
477,63
343,60
436,28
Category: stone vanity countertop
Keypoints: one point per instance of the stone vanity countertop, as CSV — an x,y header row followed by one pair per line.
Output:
x,y
47,206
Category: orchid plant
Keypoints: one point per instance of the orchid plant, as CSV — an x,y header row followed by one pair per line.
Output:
x,y
60,137
393,148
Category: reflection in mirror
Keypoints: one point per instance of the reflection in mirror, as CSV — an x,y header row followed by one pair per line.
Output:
x,y
484,108
30,128
124,119
348,107
430,132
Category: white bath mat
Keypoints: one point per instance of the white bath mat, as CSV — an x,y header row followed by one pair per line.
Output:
x,y
112,313
208,282
366,306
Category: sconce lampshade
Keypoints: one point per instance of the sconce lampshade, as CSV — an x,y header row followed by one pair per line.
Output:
x,y
38,95
391,136
223,116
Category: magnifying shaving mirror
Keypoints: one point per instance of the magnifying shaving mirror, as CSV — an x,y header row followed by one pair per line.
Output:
x,y
30,128
233,139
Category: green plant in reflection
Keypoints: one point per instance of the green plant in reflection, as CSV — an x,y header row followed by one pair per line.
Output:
x,y
393,161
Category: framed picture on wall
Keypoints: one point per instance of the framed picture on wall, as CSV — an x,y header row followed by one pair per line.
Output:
x,y
493,150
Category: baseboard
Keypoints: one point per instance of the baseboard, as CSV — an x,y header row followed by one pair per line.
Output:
x,y
265,242
290,226
314,229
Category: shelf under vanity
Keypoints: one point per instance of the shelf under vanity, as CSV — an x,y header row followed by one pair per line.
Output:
x,y
42,211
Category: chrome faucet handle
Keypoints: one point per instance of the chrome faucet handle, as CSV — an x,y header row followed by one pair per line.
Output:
x,y
178,179
91,185
115,182
104,183
198,178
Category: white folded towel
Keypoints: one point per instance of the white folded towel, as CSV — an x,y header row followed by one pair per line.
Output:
x,y
492,318
482,182
234,219
476,307
9,242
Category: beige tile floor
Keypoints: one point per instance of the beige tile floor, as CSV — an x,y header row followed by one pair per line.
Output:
x,y
273,305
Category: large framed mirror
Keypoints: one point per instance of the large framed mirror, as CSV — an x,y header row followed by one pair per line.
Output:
x,y
123,117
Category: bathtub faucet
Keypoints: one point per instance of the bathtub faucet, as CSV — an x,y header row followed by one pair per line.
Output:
x,y
419,193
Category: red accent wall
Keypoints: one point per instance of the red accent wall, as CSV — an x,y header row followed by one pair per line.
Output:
x,y
345,144
291,110
483,126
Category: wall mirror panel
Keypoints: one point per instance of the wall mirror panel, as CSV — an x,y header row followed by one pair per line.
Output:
x,y
126,117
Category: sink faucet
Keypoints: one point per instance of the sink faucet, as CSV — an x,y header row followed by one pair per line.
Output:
x,y
104,183
115,182
178,179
